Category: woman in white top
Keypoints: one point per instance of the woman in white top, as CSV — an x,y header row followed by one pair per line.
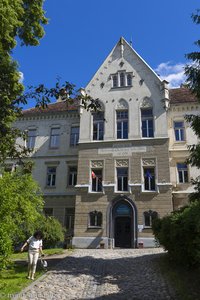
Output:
x,y
34,248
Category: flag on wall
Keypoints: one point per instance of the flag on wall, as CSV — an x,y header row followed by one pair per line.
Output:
x,y
148,174
93,175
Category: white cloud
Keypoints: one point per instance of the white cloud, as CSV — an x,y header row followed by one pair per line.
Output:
x,y
21,77
173,73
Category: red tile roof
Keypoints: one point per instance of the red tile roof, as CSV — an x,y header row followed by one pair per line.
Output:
x,y
52,108
181,95
178,95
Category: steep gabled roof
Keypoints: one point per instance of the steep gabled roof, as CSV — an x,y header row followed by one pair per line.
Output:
x,y
135,53
181,95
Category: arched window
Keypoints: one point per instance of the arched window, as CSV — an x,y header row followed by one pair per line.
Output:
x,y
149,216
95,219
122,79
129,80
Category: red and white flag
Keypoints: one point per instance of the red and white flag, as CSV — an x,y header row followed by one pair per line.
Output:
x,y
93,175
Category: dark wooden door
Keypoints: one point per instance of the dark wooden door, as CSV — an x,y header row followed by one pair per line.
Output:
x,y
123,232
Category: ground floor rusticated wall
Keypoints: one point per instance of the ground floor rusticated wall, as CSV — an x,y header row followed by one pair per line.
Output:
x,y
132,221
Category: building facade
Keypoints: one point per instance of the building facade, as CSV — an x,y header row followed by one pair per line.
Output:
x,y
106,175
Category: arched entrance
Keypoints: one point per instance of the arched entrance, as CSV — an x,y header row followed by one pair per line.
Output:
x,y
124,220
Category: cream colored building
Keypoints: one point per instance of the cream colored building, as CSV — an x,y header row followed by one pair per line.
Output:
x,y
106,175
181,136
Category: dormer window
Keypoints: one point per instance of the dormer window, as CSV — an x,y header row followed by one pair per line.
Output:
x,y
115,81
129,79
121,79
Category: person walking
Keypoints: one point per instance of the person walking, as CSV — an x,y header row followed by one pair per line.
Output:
x,y
34,244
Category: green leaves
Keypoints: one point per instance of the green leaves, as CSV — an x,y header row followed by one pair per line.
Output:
x,y
192,72
21,205
22,19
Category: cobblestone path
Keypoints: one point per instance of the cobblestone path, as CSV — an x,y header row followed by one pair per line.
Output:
x,y
104,274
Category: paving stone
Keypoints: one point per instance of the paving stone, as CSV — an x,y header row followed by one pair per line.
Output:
x,y
103,274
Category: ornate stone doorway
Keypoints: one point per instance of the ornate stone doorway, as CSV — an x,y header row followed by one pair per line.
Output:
x,y
123,223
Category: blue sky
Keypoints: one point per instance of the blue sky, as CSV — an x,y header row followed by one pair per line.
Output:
x,y
81,34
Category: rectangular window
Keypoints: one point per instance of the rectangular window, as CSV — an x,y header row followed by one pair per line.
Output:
x,y
179,130
95,219
31,138
69,219
48,211
122,124
72,176
147,123
96,180
74,137
51,176
149,179
149,216
98,126
182,173
55,137
122,179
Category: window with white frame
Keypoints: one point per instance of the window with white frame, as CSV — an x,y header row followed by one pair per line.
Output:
x,y
74,136
122,124
72,179
95,219
149,178
55,137
179,130
51,176
129,80
31,138
98,126
122,179
122,79
182,170
97,177
149,216
147,122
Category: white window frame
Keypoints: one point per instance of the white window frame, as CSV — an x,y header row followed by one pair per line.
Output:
x,y
97,180
52,176
116,79
74,176
74,141
179,130
54,138
147,119
31,139
98,122
182,171
122,121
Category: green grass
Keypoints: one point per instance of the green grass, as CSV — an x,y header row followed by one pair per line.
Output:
x,y
23,255
186,282
13,280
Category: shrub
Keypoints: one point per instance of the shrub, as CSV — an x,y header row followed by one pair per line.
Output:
x,y
179,233
52,230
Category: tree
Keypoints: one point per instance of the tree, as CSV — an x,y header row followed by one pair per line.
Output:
x,y
23,20
21,205
192,72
